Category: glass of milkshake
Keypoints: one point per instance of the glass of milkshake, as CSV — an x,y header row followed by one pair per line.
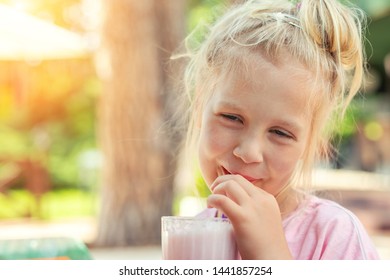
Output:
x,y
192,238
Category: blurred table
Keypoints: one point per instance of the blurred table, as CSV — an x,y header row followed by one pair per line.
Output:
x,y
60,248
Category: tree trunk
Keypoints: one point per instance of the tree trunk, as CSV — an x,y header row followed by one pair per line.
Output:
x,y
138,38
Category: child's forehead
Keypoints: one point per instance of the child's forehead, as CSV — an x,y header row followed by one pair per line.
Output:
x,y
257,69
248,65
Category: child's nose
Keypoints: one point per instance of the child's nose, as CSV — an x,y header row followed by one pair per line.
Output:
x,y
249,151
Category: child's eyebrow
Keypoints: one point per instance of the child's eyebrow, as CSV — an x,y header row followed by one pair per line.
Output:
x,y
231,105
291,124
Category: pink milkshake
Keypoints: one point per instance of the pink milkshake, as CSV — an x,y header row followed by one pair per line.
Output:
x,y
188,238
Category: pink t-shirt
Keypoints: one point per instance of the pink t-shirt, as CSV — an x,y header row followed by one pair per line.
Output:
x,y
321,229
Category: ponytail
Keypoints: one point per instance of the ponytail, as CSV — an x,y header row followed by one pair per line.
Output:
x,y
337,31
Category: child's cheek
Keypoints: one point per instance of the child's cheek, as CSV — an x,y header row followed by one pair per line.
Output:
x,y
284,162
217,139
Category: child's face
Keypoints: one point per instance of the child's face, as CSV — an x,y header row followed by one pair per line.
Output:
x,y
255,125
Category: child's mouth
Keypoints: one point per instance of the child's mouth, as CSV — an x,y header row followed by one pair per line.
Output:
x,y
249,178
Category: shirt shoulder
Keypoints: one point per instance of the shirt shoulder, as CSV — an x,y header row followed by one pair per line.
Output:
x,y
323,229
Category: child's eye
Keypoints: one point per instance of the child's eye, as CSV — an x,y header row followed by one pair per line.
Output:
x,y
233,118
281,133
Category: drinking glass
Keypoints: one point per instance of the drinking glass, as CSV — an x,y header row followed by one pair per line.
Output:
x,y
191,238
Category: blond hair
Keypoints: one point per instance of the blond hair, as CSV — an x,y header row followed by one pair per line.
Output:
x,y
324,35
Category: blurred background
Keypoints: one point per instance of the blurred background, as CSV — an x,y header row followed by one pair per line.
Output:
x,y
88,146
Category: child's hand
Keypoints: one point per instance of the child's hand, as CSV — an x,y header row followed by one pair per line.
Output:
x,y
255,216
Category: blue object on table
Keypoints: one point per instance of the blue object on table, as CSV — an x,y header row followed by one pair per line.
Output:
x,y
44,248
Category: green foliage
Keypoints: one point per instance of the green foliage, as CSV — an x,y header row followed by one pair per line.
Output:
x,y
66,203
16,204
201,14
60,136
69,203
75,136
361,110
201,186
347,127
13,142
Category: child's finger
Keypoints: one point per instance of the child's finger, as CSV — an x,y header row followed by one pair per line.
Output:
x,y
225,205
249,188
232,190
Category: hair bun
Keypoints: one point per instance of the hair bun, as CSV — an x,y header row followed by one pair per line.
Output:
x,y
335,28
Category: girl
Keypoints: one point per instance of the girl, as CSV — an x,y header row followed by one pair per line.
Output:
x,y
264,86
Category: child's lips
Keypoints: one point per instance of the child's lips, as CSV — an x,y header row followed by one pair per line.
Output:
x,y
249,178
